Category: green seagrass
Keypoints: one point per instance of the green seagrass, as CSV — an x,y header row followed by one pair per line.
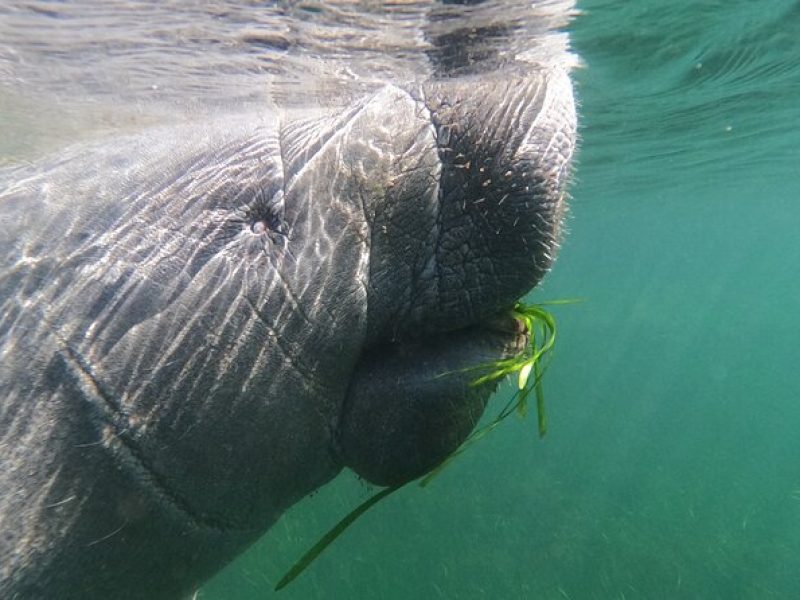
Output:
x,y
540,326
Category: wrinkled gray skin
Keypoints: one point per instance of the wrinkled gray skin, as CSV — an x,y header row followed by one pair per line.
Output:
x,y
201,325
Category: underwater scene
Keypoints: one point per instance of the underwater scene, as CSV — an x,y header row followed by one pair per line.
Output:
x,y
671,466
670,463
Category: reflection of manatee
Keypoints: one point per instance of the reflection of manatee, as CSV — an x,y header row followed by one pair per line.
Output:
x,y
202,325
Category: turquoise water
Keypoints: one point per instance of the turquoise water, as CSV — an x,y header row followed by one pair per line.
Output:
x,y
671,468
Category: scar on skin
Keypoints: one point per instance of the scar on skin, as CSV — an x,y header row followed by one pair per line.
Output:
x,y
105,537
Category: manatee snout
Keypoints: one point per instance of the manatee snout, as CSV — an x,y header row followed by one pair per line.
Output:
x,y
411,404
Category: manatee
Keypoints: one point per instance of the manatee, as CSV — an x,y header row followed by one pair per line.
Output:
x,y
202,323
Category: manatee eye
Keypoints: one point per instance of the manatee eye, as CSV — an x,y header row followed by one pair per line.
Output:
x,y
263,214
258,227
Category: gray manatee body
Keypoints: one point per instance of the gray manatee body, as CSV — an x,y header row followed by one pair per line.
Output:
x,y
200,325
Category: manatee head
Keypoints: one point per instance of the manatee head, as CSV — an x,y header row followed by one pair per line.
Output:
x,y
201,323
455,239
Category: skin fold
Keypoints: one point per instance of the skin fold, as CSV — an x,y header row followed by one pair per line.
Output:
x,y
202,324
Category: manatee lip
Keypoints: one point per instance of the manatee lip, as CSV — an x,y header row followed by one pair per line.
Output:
x,y
505,334
504,323
499,326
